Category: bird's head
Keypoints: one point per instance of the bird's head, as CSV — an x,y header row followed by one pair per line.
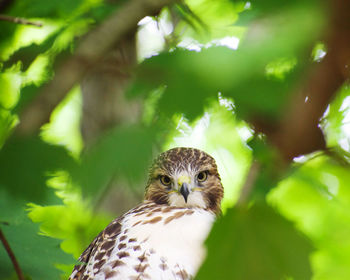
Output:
x,y
185,177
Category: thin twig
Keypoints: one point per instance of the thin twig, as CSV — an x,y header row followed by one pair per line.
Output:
x,y
19,20
12,256
249,183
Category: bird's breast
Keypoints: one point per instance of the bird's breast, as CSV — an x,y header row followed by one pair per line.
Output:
x,y
163,243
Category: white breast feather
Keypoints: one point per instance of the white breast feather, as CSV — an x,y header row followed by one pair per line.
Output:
x,y
177,244
195,199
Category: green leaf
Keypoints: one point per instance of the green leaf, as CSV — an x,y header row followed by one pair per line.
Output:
x,y
10,82
24,167
208,19
124,151
257,9
7,122
192,78
334,122
37,255
39,8
74,223
255,243
317,198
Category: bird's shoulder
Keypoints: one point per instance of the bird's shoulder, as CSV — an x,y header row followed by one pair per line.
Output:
x,y
103,242
102,245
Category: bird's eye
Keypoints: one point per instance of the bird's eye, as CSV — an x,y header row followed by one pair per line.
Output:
x,y
165,180
202,176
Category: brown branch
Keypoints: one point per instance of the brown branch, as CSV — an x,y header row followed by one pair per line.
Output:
x,y
12,256
4,4
298,132
249,183
19,20
92,49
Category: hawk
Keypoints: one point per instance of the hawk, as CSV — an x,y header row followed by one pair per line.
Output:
x,y
162,238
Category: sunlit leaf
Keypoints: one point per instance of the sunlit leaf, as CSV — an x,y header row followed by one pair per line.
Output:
x,y
317,199
191,78
209,19
37,255
66,222
335,123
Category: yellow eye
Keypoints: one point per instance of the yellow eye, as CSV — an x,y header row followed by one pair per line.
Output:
x,y
165,180
202,176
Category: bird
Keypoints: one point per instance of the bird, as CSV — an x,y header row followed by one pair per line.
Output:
x,y
161,238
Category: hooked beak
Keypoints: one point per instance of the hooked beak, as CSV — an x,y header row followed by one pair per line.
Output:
x,y
184,191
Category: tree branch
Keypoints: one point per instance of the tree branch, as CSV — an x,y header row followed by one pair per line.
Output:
x,y
19,20
249,183
298,132
93,47
11,255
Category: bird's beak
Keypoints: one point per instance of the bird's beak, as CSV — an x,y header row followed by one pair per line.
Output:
x,y
184,191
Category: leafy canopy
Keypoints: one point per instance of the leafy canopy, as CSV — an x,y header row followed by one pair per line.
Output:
x,y
196,88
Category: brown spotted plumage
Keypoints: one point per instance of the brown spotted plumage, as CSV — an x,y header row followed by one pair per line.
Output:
x,y
162,238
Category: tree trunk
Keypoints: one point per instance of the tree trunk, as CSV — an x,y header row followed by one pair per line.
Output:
x,y
104,107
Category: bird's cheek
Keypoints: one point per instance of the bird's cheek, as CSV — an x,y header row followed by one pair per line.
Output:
x,y
196,199
176,199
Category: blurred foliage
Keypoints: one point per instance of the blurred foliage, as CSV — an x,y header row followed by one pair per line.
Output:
x,y
38,255
231,152
317,196
258,237
198,89
35,158
204,20
202,74
115,155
